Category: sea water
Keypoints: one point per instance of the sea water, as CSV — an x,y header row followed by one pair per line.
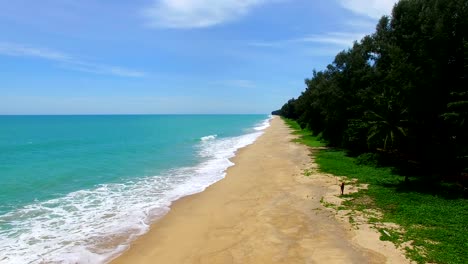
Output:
x,y
79,189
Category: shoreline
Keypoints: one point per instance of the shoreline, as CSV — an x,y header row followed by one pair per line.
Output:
x,y
263,211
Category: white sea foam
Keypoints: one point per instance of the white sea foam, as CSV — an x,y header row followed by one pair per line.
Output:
x,y
93,226
264,124
210,137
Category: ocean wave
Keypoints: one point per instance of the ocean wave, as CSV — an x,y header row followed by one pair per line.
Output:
x,y
95,225
210,137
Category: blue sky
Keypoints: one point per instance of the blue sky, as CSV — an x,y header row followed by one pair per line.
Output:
x,y
170,56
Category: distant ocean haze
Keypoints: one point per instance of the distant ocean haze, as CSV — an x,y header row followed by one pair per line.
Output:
x,y
71,184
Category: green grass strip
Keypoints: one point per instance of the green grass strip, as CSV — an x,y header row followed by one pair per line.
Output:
x,y
305,136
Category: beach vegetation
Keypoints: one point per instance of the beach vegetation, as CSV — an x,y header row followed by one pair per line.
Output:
x,y
305,136
432,215
400,92
393,112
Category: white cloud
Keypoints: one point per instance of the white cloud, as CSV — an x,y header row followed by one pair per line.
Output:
x,y
65,60
197,13
101,69
342,39
370,8
11,49
331,39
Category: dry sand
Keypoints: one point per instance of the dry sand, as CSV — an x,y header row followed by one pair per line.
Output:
x,y
264,211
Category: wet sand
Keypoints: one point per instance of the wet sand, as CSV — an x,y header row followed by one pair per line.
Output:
x,y
264,211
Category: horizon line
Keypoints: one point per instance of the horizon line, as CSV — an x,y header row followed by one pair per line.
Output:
x,y
134,114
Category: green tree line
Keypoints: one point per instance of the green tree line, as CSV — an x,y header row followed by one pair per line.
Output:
x,y
401,91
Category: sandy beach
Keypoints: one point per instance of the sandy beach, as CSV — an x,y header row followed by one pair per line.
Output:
x,y
264,211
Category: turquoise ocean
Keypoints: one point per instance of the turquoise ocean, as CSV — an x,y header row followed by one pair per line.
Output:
x,y
79,189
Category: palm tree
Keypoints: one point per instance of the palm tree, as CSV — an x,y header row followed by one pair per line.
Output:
x,y
388,126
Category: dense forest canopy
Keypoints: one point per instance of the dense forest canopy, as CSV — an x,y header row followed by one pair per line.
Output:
x,y
402,90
